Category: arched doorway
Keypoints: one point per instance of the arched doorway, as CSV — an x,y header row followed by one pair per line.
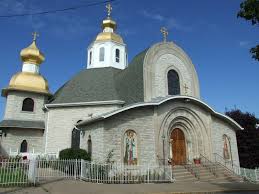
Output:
x,y
178,147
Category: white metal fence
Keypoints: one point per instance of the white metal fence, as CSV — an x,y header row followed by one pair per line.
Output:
x,y
14,172
19,172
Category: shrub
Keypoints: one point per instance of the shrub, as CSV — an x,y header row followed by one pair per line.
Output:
x,y
72,153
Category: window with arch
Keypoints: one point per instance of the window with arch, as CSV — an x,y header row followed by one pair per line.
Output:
x,y
90,58
226,148
130,148
28,105
173,83
75,137
101,54
24,146
89,145
117,55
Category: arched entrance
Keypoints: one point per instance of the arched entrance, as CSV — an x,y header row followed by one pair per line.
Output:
x,y
178,147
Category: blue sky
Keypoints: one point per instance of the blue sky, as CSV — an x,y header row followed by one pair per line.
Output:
x,y
209,31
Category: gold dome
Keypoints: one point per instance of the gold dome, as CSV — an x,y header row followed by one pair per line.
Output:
x,y
104,36
109,23
32,54
28,82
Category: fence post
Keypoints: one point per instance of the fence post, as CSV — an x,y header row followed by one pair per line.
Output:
x,y
75,170
32,172
81,169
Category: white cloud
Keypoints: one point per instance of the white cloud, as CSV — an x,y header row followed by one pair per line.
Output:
x,y
168,22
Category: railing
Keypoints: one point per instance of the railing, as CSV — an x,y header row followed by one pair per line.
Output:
x,y
211,166
228,165
24,172
13,172
193,169
250,174
119,173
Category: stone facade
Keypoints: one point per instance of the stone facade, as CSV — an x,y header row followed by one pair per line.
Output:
x,y
13,109
12,142
60,122
154,125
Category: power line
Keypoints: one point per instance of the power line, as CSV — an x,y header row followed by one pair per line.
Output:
x,y
56,10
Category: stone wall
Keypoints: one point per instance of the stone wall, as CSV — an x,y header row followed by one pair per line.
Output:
x,y
61,121
139,120
219,128
13,109
159,60
14,137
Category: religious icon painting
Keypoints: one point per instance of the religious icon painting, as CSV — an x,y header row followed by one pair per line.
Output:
x,y
130,148
226,148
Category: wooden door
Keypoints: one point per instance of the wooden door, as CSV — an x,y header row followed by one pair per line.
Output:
x,y
178,147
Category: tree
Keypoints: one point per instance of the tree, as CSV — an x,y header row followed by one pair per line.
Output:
x,y
249,10
247,139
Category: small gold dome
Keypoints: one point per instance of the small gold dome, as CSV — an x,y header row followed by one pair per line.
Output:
x,y
104,36
109,23
32,54
29,82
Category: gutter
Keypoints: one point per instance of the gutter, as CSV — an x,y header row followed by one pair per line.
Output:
x,y
76,104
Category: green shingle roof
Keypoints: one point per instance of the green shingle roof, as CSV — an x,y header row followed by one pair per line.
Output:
x,y
104,84
22,124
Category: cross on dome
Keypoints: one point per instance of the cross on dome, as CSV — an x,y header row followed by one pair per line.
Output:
x,y
109,9
164,31
35,35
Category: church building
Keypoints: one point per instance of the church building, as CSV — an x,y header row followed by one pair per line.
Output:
x,y
148,111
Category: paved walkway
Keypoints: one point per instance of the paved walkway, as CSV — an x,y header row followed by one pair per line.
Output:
x,y
80,187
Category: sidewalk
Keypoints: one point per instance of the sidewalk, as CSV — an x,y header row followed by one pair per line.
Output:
x,y
80,187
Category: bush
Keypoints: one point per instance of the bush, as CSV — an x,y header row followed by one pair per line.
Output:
x,y
72,153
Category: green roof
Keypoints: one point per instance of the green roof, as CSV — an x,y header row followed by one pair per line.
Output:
x,y
22,124
105,84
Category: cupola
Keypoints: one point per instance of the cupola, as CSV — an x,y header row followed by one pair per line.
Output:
x,y
108,48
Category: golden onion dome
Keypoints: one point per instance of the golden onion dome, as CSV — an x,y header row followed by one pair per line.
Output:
x,y
31,82
106,36
32,54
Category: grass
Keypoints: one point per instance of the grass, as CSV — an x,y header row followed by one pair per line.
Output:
x,y
12,176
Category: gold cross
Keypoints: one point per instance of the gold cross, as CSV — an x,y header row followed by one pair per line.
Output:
x,y
185,89
109,9
35,35
164,31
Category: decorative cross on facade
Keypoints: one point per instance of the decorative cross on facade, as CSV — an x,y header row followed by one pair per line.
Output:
x,y
185,89
164,31
35,35
109,9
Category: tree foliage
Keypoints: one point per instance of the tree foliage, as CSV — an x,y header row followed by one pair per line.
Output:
x,y
72,153
247,139
249,10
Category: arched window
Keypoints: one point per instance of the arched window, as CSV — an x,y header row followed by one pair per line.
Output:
x,y
89,145
75,138
90,58
173,83
130,148
28,105
101,54
24,146
117,55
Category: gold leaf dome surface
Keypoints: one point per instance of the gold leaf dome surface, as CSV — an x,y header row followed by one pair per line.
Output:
x,y
32,54
29,82
106,36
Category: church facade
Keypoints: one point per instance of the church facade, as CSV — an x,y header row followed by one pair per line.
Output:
x,y
148,111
